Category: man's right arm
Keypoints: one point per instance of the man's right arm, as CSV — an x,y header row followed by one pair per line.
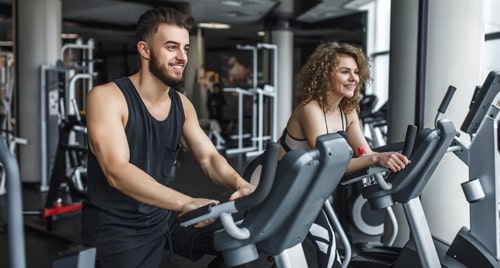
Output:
x,y
106,113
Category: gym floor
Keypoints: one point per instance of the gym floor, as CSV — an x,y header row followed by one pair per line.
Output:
x,y
42,247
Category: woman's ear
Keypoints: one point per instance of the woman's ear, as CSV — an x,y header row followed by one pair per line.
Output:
x,y
143,49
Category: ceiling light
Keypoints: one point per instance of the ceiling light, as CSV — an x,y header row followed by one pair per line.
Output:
x,y
356,4
233,3
261,33
213,25
69,36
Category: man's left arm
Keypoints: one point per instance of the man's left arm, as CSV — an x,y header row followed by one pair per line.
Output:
x,y
213,164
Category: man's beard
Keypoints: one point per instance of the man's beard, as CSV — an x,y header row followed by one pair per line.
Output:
x,y
156,69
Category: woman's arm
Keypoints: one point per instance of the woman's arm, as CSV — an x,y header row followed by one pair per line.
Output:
x,y
395,161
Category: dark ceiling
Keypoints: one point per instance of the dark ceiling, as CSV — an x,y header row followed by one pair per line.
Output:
x,y
112,21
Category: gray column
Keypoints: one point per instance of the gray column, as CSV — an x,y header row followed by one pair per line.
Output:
x,y
38,41
284,40
402,67
454,53
402,81
192,87
282,36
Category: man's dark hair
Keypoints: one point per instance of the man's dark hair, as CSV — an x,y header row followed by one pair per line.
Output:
x,y
148,22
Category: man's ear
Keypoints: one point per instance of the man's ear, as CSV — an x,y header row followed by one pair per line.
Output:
x,y
143,49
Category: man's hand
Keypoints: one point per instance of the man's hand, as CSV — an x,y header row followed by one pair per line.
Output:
x,y
243,191
196,203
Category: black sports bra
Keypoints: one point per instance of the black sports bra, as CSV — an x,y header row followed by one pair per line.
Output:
x,y
290,143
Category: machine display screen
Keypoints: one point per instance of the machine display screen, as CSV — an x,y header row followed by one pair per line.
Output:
x,y
481,103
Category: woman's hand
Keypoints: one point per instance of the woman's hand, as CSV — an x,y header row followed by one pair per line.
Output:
x,y
394,161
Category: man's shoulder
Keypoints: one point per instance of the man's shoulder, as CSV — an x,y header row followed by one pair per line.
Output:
x,y
182,97
106,89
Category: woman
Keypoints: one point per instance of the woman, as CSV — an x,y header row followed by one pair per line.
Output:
x,y
328,93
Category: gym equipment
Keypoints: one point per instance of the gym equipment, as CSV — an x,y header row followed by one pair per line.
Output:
x,y
60,102
374,122
78,257
240,135
241,93
479,246
7,78
364,225
63,134
368,235
213,129
63,156
83,60
271,93
17,254
258,96
405,188
279,223
65,194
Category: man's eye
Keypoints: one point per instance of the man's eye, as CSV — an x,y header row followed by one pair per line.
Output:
x,y
172,48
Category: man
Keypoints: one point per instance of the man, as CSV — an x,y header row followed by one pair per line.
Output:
x,y
136,126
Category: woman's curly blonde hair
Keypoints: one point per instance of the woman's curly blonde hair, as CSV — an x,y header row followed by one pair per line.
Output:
x,y
315,77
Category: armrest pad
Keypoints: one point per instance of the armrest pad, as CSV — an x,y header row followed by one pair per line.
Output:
x,y
354,176
359,175
391,147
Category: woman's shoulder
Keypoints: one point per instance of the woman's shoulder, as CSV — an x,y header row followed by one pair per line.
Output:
x,y
310,107
307,112
351,116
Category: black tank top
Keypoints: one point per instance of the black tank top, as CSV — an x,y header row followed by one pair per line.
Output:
x,y
112,221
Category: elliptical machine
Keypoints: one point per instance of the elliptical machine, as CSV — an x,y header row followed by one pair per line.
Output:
x,y
287,205
478,246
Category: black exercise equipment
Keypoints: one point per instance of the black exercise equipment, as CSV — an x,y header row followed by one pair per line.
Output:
x,y
279,224
63,196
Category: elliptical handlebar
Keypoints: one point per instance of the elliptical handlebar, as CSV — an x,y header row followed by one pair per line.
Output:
x,y
447,98
269,165
411,133
445,103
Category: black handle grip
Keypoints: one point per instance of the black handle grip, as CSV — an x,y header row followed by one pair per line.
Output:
x,y
195,213
474,95
269,162
411,133
447,98
269,167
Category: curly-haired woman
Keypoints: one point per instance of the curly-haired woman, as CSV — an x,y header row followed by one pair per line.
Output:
x,y
328,92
